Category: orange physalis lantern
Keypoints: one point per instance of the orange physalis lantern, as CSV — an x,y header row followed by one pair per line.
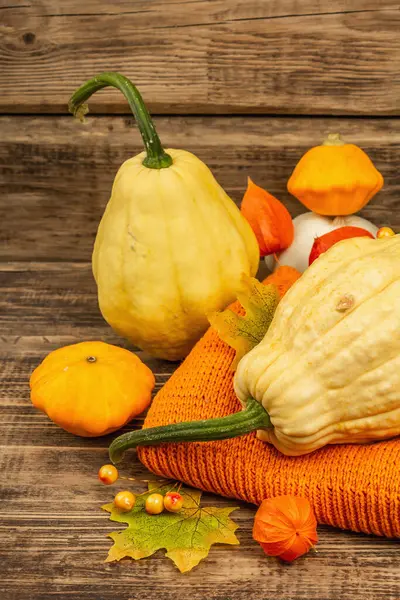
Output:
x,y
285,526
269,219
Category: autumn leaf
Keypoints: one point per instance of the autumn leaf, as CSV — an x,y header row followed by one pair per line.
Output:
x,y
244,332
187,536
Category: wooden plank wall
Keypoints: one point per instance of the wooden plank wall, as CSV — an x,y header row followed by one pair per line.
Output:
x,y
58,173
335,64
206,56
248,86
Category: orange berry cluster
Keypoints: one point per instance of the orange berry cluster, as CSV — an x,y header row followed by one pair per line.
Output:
x,y
154,504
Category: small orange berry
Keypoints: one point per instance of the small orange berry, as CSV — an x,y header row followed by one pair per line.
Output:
x,y
154,504
125,501
173,502
108,474
385,232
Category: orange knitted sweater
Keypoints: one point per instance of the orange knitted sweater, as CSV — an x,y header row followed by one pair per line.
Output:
x,y
349,486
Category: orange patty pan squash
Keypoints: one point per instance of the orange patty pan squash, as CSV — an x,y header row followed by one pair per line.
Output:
x,y
92,388
335,179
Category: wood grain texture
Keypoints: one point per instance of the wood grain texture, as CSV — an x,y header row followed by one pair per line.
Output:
x,y
205,56
187,56
56,174
52,531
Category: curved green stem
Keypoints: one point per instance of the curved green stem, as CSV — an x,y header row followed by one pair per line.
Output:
x,y
156,157
253,417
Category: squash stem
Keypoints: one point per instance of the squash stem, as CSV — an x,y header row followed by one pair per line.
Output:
x,y
333,139
253,417
156,157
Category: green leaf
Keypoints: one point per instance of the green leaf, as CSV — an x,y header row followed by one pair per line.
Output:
x,y
187,536
244,332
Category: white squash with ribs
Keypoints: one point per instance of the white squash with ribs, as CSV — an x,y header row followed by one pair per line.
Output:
x,y
328,369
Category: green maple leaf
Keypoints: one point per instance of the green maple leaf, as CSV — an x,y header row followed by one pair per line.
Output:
x,y
187,536
244,332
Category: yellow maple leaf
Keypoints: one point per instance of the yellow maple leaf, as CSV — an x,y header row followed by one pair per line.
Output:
x,y
244,332
187,536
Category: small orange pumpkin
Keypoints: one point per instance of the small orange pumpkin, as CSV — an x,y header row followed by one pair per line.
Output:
x,y
335,179
91,388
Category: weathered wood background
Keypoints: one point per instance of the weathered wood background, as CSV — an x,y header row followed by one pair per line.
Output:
x,y
246,85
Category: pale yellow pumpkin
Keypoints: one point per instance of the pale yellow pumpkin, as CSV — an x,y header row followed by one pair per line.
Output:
x,y
171,247
328,369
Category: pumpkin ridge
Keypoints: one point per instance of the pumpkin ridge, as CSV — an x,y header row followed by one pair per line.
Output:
x,y
289,383
271,334
321,283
